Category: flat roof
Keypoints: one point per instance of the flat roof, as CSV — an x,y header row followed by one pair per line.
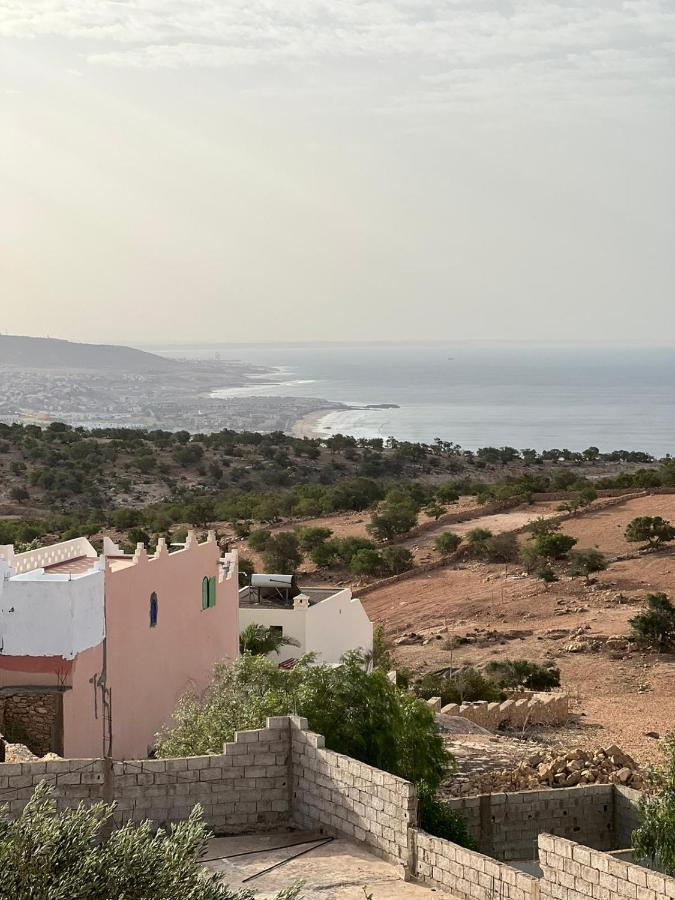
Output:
x,y
78,566
248,597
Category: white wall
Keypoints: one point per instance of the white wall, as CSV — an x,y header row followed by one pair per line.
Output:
x,y
46,556
336,625
329,628
291,620
51,615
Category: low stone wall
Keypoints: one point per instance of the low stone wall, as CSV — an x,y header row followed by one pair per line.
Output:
x,y
573,872
33,719
507,826
346,797
468,875
542,709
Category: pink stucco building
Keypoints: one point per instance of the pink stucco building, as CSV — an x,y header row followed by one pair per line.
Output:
x,y
96,650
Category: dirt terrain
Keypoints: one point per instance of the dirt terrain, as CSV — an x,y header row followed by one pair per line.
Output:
x,y
617,696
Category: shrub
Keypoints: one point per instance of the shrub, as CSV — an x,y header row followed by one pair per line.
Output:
x,y
366,562
656,625
502,548
397,515
282,553
553,545
522,673
396,560
547,575
447,542
586,562
52,853
360,713
312,537
246,569
436,818
259,640
652,530
654,839
259,538
465,685
326,554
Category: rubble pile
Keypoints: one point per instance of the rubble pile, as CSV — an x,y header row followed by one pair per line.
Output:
x,y
550,770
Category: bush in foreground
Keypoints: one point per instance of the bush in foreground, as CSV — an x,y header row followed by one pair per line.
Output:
x,y
656,625
654,840
51,854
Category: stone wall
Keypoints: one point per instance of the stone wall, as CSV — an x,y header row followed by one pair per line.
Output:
x,y
334,792
468,875
542,709
573,872
507,826
33,719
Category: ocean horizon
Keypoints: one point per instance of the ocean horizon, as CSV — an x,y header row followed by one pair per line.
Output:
x,y
473,393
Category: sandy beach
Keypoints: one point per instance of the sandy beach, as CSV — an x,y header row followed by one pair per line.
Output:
x,y
309,425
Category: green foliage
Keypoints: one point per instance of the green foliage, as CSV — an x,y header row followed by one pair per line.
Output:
x,y
578,499
260,640
282,553
259,539
366,562
477,541
464,685
397,560
312,537
51,854
553,546
656,625
586,562
359,713
447,542
246,569
652,530
547,575
542,526
654,839
395,516
502,548
524,674
436,818
434,510
381,657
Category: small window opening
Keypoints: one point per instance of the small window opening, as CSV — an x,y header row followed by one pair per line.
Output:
x,y
153,609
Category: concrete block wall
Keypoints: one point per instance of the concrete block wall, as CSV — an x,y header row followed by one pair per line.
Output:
x,y
541,709
338,794
72,779
626,818
468,875
573,872
246,788
507,826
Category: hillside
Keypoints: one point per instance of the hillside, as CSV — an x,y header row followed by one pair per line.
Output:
x,y
51,353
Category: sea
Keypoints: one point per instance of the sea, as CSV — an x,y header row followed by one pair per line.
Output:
x,y
475,394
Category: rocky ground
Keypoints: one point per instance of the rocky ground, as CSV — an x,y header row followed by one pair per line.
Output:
x,y
474,613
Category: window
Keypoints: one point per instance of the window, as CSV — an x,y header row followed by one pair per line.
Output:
x,y
277,629
208,592
153,609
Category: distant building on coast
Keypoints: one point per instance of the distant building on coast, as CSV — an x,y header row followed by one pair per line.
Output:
x,y
96,650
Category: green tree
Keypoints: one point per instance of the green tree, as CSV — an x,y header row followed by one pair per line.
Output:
x,y
397,560
48,854
652,530
586,562
553,546
434,511
311,537
654,839
656,624
477,541
523,674
396,515
447,542
366,562
260,640
360,713
258,539
246,569
282,553
547,575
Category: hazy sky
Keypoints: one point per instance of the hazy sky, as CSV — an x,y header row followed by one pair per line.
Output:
x,y
348,169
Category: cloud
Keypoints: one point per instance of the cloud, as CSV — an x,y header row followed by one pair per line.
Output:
x,y
450,51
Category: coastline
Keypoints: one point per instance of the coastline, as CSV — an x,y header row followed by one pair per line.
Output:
x,y
307,426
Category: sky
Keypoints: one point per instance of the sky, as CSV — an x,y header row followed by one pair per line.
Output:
x,y
246,170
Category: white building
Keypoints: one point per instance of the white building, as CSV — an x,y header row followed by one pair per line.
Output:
x,y
327,621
